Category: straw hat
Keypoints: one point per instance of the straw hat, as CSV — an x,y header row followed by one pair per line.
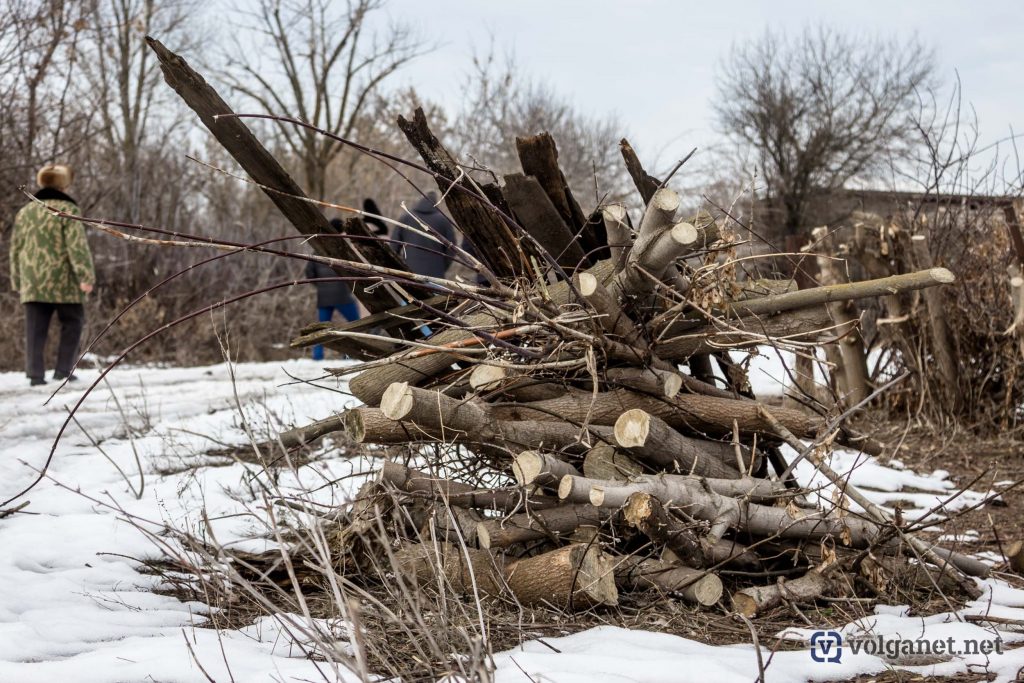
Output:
x,y
57,176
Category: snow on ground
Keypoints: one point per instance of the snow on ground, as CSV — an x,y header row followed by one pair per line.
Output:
x,y
75,605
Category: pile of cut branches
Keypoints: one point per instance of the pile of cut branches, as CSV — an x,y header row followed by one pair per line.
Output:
x,y
582,425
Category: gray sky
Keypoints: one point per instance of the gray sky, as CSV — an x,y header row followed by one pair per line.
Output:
x,y
653,62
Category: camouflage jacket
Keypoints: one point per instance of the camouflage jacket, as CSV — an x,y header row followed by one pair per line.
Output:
x,y
50,257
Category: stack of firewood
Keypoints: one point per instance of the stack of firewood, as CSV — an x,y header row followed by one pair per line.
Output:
x,y
624,470
584,369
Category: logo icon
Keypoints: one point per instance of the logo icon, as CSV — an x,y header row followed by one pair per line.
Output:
x,y
826,646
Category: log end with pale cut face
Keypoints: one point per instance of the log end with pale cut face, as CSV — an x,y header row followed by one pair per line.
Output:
x,y
397,401
632,428
685,233
526,467
487,377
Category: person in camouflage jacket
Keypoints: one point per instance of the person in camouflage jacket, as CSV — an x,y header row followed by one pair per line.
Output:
x,y
51,269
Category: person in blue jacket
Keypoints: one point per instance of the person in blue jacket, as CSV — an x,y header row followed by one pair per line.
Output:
x,y
331,296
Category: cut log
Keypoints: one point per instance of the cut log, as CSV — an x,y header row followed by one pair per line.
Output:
x,y
370,425
805,324
645,183
646,513
755,600
444,567
611,318
487,377
309,434
574,577
698,587
733,555
471,421
456,493
620,234
647,380
651,440
530,526
532,468
539,217
671,487
656,244
847,291
710,415
605,463
692,496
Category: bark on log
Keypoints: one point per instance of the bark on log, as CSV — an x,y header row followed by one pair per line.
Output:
x,y
645,183
653,441
370,425
646,513
308,434
671,487
755,600
605,463
945,354
698,587
647,380
691,412
620,234
801,324
691,496
573,577
457,493
263,168
733,555
539,217
476,422
444,566
653,242
530,526
847,291
538,156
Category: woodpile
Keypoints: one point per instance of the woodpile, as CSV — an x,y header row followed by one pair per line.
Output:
x,y
577,425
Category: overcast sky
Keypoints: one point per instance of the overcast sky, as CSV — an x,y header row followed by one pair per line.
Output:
x,y
653,63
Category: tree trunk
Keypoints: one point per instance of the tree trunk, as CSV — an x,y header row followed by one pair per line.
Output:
x,y
945,354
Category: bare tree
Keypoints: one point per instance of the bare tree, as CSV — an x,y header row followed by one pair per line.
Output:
x,y
323,67
503,103
135,112
820,110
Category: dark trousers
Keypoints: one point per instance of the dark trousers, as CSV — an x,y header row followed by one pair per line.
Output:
x,y
37,327
349,310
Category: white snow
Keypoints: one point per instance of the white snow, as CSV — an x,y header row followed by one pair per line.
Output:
x,y
77,605
73,603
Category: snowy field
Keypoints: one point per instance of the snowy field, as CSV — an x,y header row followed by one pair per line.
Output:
x,y
75,604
